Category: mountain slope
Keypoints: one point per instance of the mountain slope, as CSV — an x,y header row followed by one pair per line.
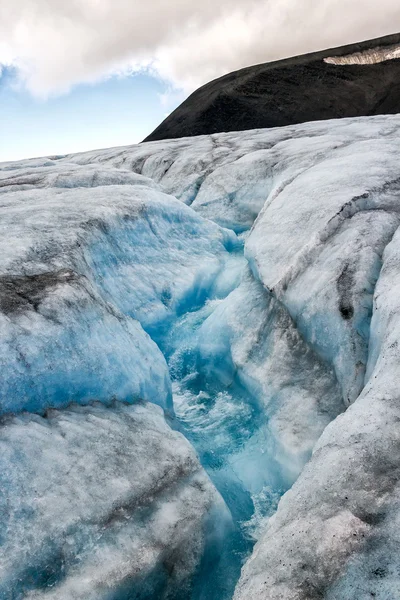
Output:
x,y
294,90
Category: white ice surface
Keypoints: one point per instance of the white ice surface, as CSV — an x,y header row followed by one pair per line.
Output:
x,y
336,531
94,500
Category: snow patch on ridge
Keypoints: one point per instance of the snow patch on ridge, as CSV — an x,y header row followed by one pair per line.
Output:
x,y
367,57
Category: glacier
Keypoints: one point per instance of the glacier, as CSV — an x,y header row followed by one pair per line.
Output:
x,y
199,356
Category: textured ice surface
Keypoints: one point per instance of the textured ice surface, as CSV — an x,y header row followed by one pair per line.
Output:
x,y
61,342
76,266
97,502
254,274
250,336
335,534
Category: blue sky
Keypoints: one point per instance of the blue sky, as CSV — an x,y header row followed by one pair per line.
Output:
x,y
113,112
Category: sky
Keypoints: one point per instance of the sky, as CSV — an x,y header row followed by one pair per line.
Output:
x,y
84,74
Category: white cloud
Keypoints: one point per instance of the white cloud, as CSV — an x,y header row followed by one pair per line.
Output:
x,y
58,43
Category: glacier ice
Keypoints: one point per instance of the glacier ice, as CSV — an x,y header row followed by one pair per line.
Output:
x,y
61,342
97,502
336,531
251,337
247,284
81,264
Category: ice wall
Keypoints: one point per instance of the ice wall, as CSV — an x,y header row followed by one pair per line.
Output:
x,y
97,503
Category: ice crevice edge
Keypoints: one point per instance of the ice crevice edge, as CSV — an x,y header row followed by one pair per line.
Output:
x,y
262,362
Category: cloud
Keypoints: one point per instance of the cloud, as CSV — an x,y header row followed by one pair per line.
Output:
x,y
56,43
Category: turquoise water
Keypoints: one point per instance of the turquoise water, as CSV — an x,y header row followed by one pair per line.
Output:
x,y
229,430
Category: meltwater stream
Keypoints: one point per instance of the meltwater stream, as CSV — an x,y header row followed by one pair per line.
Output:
x,y
229,430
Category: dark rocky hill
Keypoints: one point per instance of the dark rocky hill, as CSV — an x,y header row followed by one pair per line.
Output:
x,y
363,79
